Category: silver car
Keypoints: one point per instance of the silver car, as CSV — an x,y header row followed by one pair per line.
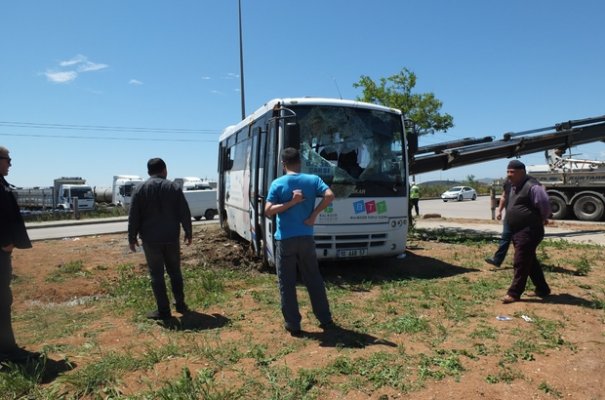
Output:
x,y
459,193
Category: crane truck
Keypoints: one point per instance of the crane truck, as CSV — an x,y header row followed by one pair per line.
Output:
x,y
576,188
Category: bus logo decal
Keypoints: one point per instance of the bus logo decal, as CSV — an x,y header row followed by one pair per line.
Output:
x,y
370,207
359,207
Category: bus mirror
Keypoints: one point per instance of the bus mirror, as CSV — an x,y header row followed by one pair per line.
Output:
x,y
292,135
412,143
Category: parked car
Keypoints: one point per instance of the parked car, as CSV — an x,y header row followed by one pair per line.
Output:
x,y
459,193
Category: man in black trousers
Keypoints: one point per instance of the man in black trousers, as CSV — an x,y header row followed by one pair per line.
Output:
x,y
157,211
13,235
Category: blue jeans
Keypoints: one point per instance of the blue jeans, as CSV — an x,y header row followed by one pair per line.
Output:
x,y
290,254
168,256
504,244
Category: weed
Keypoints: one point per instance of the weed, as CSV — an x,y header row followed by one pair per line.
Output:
x,y
582,266
546,388
63,271
188,387
407,324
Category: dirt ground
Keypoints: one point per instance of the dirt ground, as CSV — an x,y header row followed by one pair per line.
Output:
x,y
577,374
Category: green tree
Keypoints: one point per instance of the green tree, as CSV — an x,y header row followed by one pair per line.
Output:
x,y
396,92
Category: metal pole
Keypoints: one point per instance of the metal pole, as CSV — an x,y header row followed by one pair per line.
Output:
x,y
241,61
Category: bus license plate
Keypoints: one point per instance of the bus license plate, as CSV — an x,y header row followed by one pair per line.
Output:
x,y
352,253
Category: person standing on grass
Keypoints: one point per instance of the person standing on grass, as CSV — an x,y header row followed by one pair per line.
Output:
x,y
157,211
292,198
13,235
507,235
527,212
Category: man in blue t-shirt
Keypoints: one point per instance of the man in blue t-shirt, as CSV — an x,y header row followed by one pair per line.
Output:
x,y
292,198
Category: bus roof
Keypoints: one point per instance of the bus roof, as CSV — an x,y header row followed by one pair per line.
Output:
x,y
321,101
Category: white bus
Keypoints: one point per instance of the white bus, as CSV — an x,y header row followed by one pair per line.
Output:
x,y
357,148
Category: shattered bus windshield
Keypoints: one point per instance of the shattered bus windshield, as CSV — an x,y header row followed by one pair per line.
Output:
x,y
356,151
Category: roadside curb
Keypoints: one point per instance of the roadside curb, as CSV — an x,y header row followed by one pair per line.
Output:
x,y
68,222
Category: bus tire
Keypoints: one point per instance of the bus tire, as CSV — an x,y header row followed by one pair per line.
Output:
x,y
588,208
558,207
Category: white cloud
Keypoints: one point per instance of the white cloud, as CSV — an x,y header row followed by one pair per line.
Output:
x,y
61,76
76,60
206,78
231,75
79,62
135,82
90,66
216,92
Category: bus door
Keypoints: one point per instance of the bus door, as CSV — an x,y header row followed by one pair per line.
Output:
x,y
269,165
256,201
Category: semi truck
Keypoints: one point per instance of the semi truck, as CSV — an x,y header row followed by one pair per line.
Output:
x,y
62,195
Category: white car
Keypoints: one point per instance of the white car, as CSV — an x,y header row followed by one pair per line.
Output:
x,y
459,193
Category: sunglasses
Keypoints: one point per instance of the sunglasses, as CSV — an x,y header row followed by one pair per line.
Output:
x,y
6,158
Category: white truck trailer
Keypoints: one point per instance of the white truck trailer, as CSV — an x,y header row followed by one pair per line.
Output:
x,y
202,203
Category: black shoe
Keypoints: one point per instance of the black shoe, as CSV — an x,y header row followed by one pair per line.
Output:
x,y
182,308
18,355
156,315
327,326
491,261
537,293
293,332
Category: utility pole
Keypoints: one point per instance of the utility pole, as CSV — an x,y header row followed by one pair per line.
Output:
x,y
241,61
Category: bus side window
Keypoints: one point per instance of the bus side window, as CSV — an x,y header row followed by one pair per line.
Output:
x,y
228,160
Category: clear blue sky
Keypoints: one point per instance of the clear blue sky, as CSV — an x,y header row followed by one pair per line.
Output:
x,y
172,67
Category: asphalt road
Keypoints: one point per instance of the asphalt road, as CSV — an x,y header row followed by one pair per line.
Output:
x,y
479,208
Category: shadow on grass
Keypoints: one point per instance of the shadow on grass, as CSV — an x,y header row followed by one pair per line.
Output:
x,y
567,299
389,269
345,338
41,369
194,321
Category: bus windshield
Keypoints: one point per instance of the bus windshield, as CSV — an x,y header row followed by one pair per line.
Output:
x,y
356,151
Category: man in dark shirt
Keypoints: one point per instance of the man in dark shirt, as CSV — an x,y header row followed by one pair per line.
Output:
x,y
527,211
13,235
157,210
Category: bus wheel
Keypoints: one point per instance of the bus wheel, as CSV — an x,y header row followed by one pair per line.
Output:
x,y
589,208
558,207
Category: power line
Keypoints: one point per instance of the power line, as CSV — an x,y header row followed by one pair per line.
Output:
x,y
114,138
35,125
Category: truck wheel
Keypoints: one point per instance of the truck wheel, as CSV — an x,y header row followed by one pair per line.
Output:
x,y
589,208
558,207
197,218
209,215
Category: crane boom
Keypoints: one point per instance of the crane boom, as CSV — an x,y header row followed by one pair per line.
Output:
x,y
465,152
